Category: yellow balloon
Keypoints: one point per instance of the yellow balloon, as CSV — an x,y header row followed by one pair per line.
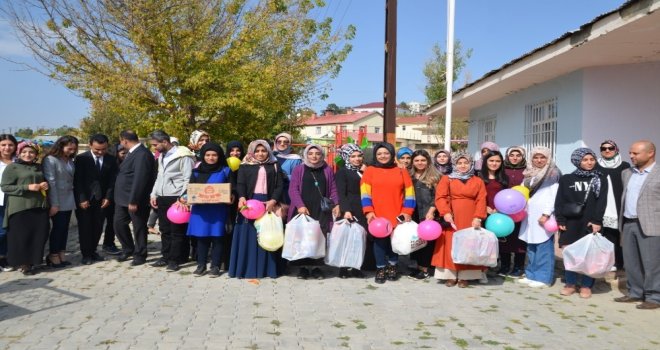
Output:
x,y
233,163
522,189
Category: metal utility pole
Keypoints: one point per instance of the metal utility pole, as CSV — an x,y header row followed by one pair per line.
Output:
x,y
389,96
449,75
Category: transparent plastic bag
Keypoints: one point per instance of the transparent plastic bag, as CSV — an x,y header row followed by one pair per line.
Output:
x,y
303,238
592,255
270,232
472,246
346,245
405,239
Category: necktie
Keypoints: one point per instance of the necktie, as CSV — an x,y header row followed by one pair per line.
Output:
x,y
98,164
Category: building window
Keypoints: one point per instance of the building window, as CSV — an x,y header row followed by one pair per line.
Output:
x,y
343,128
377,130
487,129
541,124
403,127
318,130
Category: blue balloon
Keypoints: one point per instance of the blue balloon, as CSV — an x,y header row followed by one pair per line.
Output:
x,y
499,224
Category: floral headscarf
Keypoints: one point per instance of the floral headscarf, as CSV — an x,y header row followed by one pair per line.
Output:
x,y
25,143
535,176
249,157
576,159
345,152
455,174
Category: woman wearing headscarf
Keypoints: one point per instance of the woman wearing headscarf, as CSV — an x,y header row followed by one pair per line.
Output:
x,y
586,185
348,179
483,151
541,177
424,177
442,162
460,198
234,149
612,166
287,161
310,183
26,216
207,221
404,157
8,145
386,192
258,178
514,166
197,139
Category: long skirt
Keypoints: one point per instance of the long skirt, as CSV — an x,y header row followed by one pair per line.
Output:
x,y
26,237
248,259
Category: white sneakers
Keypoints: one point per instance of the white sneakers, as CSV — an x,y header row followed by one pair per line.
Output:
x,y
483,279
531,283
523,280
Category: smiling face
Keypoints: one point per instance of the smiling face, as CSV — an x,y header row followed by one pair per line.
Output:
x,y
282,143
420,163
539,160
405,160
356,159
98,149
383,156
7,149
28,154
235,152
314,156
462,165
588,162
210,157
70,149
260,153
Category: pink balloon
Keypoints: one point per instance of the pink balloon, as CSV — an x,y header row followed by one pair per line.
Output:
x,y
380,227
429,230
178,215
519,216
509,201
253,209
551,224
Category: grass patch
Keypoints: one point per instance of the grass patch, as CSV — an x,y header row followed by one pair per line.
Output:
x,y
276,333
276,323
532,346
461,343
185,273
344,338
516,321
370,287
510,330
344,344
338,325
258,317
361,326
603,328
491,342
367,304
461,325
163,331
397,342
107,342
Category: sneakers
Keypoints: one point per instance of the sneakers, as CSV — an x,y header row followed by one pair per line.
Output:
x,y
380,275
516,273
503,271
4,265
483,279
172,267
355,273
214,272
303,273
110,249
200,271
317,274
419,275
343,273
392,272
537,284
524,280
159,263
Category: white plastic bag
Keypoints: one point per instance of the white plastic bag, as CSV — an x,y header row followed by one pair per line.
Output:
x,y
405,239
270,232
346,245
592,255
472,246
303,238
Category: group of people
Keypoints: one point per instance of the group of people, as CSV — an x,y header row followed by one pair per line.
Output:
x,y
613,198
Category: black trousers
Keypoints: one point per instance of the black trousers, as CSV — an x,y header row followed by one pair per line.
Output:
x,y
216,244
137,247
90,227
109,234
173,236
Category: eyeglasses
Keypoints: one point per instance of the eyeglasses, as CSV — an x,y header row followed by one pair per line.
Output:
x,y
605,148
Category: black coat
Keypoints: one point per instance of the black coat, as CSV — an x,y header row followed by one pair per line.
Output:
x,y
617,182
136,177
424,200
348,191
572,189
247,178
91,184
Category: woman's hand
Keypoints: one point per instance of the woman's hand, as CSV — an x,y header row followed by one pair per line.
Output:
x,y
303,210
594,227
241,203
34,187
53,210
562,227
335,211
490,210
543,219
270,205
370,216
430,215
449,218
476,223
182,206
406,217
348,215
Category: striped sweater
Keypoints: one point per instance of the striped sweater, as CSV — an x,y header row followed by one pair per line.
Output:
x,y
387,192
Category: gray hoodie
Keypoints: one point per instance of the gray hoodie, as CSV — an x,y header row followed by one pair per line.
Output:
x,y
173,177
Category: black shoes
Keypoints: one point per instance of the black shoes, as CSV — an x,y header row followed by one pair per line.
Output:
x,y
111,249
380,275
214,272
159,263
96,257
172,267
347,272
138,262
343,273
392,272
303,273
50,263
419,275
123,257
200,271
317,274
86,261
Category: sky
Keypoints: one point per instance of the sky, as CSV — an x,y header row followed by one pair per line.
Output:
x,y
496,31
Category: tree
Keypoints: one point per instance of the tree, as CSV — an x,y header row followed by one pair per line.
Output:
x,y
235,68
435,71
25,133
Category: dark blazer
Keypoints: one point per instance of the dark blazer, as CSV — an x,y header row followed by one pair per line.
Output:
x,y
136,177
91,184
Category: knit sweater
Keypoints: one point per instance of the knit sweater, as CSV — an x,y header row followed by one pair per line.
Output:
x,y
15,181
387,192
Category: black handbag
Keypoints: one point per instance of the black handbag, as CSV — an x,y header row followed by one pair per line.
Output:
x,y
326,203
574,210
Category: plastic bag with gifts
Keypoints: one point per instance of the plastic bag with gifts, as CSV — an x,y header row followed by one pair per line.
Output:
x,y
405,239
270,232
303,238
472,246
592,255
346,245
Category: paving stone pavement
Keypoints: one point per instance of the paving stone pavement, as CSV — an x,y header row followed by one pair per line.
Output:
x,y
110,305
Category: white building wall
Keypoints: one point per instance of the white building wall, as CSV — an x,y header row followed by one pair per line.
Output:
x,y
510,114
622,103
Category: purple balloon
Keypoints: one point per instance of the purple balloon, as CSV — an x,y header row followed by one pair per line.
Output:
x,y
509,201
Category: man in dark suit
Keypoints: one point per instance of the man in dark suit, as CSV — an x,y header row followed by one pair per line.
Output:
x,y
93,187
132,187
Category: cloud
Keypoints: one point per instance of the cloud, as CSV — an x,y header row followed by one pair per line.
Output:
x,y
10,46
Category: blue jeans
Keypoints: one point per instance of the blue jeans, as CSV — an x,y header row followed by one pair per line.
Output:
x,y
59,233
571,278
541,261
383,252
3,233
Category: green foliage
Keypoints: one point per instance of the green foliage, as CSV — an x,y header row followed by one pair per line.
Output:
x,y
235,68
25,133
435,70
